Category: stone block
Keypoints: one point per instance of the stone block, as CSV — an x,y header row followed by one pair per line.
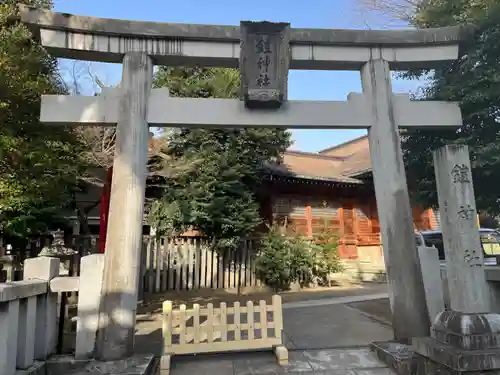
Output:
x,y
91,276
44,268
9,319
431,277
457,359
37,368
404,360
467,331
264,63
26,333
399,357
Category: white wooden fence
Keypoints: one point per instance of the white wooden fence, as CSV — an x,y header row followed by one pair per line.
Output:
x,y
190,263
222,329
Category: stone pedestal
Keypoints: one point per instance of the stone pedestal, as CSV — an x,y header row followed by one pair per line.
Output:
x,y
460,343
463,343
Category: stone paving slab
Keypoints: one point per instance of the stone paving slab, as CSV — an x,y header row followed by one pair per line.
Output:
x,y
266,363
354,361
331,326
375,371
335,359
67,365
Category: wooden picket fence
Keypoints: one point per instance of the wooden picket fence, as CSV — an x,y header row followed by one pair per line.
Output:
x,y
168,264
223,329
187,263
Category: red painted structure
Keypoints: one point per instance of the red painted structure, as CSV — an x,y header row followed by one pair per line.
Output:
x,y
105,197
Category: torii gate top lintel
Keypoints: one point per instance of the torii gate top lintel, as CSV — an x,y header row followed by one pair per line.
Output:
x,y
102,39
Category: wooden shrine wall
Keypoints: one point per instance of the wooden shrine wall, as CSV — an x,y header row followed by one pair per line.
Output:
x,y
353,217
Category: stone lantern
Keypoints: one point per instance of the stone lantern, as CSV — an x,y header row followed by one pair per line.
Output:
x,y
58,249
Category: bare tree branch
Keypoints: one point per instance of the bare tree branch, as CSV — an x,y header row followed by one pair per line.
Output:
x,y
389,13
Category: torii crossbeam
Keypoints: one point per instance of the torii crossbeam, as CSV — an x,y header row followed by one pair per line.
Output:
x,y
264,52
166,111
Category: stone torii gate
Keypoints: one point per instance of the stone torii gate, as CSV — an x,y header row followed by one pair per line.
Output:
x,y
264,52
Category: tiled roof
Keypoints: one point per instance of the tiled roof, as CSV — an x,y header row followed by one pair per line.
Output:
x,y
346,147
311,166
339,167
357,163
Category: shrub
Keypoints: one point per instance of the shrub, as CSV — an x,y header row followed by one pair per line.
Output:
x,y
327,260
284,259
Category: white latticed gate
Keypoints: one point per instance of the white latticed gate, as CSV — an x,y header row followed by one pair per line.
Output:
x,y
223,329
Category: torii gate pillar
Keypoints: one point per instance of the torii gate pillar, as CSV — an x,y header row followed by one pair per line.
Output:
x,y
115,338
406,290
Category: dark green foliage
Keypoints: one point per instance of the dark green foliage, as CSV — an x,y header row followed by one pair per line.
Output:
x,y
283,260
473,81
211,174
38,164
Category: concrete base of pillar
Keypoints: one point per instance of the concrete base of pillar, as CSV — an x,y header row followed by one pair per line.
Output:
x,y
38,368
457,361
67,365
399,357
460,343
404,360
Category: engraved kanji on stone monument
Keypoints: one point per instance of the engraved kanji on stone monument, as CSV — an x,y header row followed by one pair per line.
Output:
x,y
264,62
466,212
460,173
472,258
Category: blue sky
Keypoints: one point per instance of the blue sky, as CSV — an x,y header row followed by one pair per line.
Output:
x,y
303,85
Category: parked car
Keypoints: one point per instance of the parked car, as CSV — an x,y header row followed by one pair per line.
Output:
x,y
490,241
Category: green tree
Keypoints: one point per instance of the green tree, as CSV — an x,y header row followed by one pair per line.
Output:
x,y
39,164
211,174
474,82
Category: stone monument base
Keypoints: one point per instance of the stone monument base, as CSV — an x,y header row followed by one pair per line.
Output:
x,y
400,357
67,365
460,343
404,360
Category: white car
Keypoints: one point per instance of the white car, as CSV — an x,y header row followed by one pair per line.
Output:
x,y
490,242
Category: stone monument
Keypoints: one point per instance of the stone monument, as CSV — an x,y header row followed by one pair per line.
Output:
x,y
469,290
264,52
465,339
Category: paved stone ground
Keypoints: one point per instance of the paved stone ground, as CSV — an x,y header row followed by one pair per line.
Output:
x,y
323,337
330,326
307,325
353,361
379,309
153,302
